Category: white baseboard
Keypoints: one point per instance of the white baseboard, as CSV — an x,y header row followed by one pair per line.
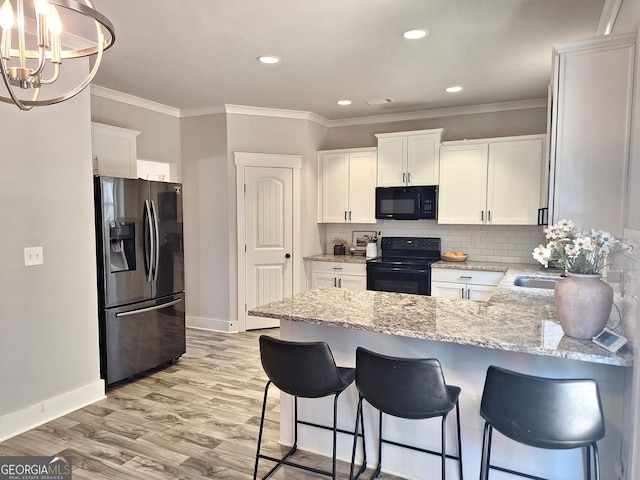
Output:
x,y
42,412
212,324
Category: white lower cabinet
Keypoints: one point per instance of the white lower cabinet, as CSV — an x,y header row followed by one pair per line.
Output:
x,y
352,276
466,284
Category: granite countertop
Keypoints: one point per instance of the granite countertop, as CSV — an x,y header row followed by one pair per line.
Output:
x,y
326,257
514,319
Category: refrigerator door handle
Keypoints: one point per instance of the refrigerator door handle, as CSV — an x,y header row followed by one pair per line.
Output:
x,y
156,232
151,240
148,309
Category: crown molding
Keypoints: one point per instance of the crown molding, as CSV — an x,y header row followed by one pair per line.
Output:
x,y
312,117
608,16
442,112
276,112
98,91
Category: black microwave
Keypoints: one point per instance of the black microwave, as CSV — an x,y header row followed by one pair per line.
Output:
x,y
407,203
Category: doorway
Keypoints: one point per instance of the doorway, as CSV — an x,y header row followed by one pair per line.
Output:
x,y
268,232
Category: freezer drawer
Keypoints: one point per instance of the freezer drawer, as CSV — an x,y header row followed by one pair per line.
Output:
x,y
141,336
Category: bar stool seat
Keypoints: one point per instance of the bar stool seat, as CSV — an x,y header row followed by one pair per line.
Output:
x,y
303,370
411,388
541,412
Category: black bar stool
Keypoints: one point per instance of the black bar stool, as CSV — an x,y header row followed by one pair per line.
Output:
x,y
541,412
412,388
306,370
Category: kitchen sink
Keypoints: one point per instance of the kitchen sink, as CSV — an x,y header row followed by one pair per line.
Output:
x,y
536,282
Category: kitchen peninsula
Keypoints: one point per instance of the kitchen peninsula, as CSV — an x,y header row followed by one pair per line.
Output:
x,y
516,329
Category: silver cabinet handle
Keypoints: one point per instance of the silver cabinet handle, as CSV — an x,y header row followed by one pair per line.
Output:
x,y
349,215
489,216
345,215
340,282
337,268
468,277
462,292
404,178
482,216
335,282
409,177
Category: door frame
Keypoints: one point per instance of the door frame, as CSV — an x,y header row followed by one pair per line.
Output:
x,y
242,160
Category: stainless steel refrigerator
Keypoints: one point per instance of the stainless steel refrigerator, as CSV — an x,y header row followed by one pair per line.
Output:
x,y
140,253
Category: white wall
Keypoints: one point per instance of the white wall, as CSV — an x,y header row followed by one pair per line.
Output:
x,y
48,313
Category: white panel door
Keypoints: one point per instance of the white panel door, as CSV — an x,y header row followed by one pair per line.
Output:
x,y
335,187
362,187
269,239
514,182
392,162
462,196
423,162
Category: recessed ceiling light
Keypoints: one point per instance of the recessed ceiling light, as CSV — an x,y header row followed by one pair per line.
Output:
x,y
453,89
415,34
268,59
344,102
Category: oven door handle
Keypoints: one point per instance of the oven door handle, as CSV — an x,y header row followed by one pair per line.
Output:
x,y
399,270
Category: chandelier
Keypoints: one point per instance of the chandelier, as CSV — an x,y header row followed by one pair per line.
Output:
x,y
36,62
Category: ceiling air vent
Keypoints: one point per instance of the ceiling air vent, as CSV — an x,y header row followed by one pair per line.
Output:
x,y
380,101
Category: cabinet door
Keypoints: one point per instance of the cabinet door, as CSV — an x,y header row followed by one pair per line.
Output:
x,y
323,280
591,128
362,187
392,162
114,151
514,182
353,282
447,290
481,293
335,187
423,159
463,184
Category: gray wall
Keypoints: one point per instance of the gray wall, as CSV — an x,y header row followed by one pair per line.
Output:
x,y
48,313
459,127
159,139
206,216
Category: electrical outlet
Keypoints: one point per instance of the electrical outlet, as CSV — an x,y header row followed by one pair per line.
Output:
x,y
33,256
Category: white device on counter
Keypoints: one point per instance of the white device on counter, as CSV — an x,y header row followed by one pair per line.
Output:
x,y
610,340
372,250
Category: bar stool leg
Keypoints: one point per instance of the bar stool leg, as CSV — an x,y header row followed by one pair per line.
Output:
x,y
443,456
359,421
459,439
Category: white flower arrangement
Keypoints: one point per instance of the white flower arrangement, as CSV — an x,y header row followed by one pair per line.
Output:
x,y
578,251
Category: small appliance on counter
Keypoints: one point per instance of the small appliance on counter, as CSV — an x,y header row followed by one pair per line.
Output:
x,y
404,266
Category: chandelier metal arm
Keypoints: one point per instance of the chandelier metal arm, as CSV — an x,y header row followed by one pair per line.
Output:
x,y
103,42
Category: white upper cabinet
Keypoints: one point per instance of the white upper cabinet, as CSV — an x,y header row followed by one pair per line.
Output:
x,y
346,185
409,158
114,151
498,181
590,131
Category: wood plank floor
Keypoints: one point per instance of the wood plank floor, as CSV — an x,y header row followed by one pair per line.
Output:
x,y
197,419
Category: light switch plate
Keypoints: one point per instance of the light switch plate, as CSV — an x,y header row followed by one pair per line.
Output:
x,y
33,256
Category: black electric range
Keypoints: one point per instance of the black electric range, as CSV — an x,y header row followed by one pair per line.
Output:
x,y
404,266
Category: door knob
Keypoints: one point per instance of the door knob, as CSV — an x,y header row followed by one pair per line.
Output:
x,y
288,255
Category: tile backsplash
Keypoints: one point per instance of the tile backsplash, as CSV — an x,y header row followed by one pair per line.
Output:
x,y
489,243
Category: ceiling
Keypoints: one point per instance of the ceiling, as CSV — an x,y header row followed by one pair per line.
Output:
x,y
201,54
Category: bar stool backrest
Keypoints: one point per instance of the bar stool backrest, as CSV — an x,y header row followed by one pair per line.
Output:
x,y
403,387
302,369
543,412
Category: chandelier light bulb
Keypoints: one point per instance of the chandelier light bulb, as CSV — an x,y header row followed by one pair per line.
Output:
x,y
6,16
53,21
